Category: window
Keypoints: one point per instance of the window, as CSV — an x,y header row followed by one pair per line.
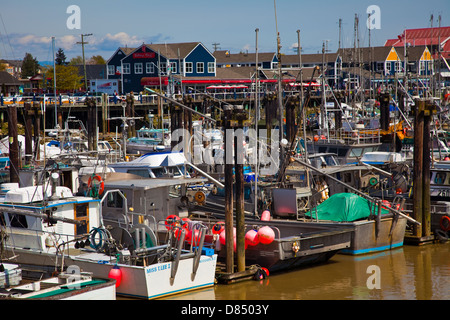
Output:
x,y
398,66
149,67
172,67
82,214
144,173
211,67
200,67
189,67
163,68
114,200
388,67
119,69
111,70
126,68
18,220
380,66
138,68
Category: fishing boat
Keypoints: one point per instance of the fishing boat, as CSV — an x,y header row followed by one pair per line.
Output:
x,y
158,165
290,244
149,140
64,286
373,229
47,225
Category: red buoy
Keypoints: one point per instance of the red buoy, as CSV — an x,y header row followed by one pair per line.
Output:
x,y
116,274
218,227
266,235
222,236
265,216
252,237
171,220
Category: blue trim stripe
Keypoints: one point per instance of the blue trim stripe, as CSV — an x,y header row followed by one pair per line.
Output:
x,y
369,250
167,293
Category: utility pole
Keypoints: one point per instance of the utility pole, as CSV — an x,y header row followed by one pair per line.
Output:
x,y
216,46
84,61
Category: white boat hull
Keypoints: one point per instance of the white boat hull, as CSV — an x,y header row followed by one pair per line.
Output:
x,y
153,281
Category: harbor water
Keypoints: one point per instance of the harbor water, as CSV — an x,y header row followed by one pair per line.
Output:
x,y
406,273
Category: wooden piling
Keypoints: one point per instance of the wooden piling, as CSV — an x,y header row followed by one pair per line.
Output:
x,y
13,144
28,132
37,113
228,110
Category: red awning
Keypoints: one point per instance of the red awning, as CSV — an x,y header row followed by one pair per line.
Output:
x,y
154,81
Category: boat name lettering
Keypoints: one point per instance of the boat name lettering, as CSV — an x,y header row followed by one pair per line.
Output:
x,y
443,193
158,268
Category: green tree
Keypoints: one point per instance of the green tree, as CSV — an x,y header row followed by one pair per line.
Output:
x,y
97,60
67,78
60,59
30,66
78,60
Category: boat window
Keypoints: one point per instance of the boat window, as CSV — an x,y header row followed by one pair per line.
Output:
x,y
342,152
440,178
173,171
332,150
82,214
114,200
356,152
159,172
2,219
330,161
18,220
322,149
369,149
140,172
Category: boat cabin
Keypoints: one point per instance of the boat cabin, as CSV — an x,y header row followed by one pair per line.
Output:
x,y
38,218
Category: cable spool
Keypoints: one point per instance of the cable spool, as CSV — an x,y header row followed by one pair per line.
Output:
x,y
199,197
373,181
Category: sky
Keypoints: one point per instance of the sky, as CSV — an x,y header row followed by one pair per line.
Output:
x,y
29,25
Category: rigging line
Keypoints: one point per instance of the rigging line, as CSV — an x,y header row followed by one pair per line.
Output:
x,y
7,37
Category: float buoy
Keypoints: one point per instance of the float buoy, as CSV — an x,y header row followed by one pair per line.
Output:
x,y
172,221
116,274
265,216
218,227
252,237
266,235
445,223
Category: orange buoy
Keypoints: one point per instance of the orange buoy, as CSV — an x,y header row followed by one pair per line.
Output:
x,y
266,235
252,237
266,271
265,216
316,138
116,274
386,204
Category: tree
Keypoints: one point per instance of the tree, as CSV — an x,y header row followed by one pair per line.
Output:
x,y
67,78
78,60
97,60
60,59
30,66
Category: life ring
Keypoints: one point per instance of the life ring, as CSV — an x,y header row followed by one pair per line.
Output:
x,y
445,223
101,183
373,181
218,227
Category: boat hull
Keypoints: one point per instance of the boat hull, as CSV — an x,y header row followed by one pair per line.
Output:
x,y
153,281
296,244
366,240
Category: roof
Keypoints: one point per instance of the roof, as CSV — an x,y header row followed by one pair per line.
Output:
x,y
315,58
423,37
151,183
378,53
93,71
170,50
224,57
8,80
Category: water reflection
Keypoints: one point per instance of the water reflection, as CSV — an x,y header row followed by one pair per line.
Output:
x,y
407,273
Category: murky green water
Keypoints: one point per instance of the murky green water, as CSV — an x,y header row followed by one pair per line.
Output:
x,y
407,273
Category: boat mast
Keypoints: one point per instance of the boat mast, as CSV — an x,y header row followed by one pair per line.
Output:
x,y
280,93
256,121
54,82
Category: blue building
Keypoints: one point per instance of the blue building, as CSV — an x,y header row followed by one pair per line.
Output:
x,y
160,65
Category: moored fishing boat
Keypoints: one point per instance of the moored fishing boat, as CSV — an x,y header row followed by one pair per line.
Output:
x,y
49,226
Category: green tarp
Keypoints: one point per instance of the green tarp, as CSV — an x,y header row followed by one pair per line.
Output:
x,y
345,207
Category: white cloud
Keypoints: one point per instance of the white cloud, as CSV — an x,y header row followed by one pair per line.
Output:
x,y
122,39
